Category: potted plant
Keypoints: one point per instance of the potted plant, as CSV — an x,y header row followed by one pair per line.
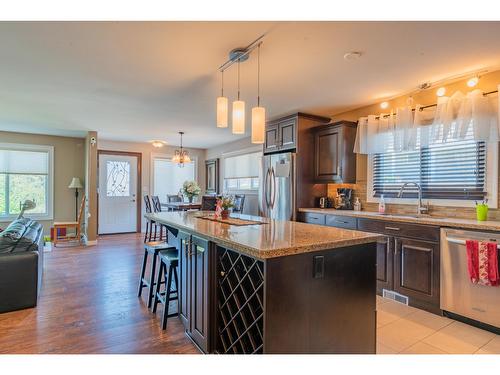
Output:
x,y
226,203
191,189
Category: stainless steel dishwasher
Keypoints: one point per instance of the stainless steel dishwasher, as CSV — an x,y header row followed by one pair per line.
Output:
x,y
458,294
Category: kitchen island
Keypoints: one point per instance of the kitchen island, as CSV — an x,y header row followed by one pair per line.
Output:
x,y
265,286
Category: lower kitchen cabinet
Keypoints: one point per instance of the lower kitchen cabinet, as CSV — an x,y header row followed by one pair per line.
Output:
x,y
385,264
194,286
416,272
408,256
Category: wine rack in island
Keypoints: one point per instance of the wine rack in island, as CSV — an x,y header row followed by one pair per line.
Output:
x,y
240,303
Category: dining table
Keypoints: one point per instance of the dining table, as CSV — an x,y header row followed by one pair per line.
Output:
x,y
181,206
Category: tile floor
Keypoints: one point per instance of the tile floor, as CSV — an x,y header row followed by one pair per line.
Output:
x,y
406,330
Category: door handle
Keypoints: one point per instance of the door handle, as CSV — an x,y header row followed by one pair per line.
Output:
x,y
273,179
266,185
392,228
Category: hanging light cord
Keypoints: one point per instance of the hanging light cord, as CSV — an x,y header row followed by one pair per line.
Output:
x,y
238,79
258,76
222,88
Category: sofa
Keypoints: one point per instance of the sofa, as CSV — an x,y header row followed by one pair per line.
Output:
x,y
21,264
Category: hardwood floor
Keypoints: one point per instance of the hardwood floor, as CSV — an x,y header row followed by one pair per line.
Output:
x,y
89,304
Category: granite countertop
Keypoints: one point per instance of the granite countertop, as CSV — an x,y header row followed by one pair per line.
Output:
x,y
268,240
405,218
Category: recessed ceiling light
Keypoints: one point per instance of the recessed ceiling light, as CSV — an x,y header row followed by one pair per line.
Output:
x,y
158,144
351,56
441,91
473,81
384,105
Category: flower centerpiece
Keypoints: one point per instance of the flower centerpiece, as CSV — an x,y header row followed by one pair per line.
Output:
x,y
190,190
225,203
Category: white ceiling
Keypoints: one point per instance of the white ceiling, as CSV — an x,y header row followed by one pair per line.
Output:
x,y
139,81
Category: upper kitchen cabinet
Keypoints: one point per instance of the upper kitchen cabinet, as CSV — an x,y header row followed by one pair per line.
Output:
x,y
284,134
334,159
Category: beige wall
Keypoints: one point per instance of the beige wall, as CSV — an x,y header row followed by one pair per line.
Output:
x,y
146,150
91,187
68,163
488,82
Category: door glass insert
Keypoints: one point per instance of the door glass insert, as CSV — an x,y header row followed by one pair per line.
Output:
x,y
118,178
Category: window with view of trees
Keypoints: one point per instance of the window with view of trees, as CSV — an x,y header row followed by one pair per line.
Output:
x,y
25,174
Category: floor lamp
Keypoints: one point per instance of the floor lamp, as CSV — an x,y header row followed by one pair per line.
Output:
x,y
76,184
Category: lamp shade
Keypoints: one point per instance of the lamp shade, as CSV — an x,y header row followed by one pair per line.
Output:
x,y
75,183
222,112
238,117
258,124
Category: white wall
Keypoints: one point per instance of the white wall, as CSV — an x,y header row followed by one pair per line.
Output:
x,y
146,150
240,146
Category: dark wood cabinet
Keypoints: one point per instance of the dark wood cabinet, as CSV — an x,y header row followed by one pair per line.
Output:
x,y
334,158
184,278
408,256
194,282
291,132
416,271
271,143
288,134
385,264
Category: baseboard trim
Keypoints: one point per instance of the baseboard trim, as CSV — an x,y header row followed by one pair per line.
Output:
x,y
91,243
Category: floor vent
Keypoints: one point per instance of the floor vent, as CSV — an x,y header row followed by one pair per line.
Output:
x,y
395,296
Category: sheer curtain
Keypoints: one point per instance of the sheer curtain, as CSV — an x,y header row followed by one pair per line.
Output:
x,y
451,119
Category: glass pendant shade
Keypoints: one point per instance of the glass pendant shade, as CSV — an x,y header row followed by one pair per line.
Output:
x,y
258,124
238,117
222,112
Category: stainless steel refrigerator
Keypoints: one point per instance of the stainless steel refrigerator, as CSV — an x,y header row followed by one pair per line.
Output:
x,y
277,188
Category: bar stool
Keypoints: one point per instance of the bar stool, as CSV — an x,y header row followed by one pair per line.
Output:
x,y
153,248
169,260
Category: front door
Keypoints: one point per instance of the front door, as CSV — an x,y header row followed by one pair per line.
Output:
x,y
117,193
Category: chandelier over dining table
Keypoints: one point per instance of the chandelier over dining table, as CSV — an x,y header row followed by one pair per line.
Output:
x,y
237,56
181,156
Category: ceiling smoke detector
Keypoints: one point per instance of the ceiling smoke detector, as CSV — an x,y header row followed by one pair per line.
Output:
x,y
351,56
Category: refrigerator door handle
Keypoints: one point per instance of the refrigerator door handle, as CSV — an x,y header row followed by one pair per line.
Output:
x,y
266,185
273,179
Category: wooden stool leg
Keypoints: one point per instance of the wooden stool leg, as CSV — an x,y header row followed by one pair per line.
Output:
x,y
158,284
176,281
146,233
167,298
152,281
143,272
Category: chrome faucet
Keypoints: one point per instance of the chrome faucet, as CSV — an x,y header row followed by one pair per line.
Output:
x,y
421,209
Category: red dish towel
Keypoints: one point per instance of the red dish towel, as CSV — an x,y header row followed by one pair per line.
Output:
x,y
482,262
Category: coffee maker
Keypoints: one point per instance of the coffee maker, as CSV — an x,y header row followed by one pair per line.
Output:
x,y
343,200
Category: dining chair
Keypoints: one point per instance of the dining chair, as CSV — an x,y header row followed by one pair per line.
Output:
x,y
174,198
239,201
75,227
208,202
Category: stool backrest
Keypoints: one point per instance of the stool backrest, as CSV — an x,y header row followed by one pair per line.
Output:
x,y
208,202
156,203
147,204
239,201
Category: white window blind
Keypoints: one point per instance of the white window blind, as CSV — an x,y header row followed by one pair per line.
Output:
x,y
242,166
452,170
24,162
25,173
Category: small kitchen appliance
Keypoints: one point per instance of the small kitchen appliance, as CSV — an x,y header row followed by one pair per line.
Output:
x,y
324,202
343,200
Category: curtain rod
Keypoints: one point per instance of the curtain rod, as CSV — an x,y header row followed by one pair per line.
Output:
x,y
435,104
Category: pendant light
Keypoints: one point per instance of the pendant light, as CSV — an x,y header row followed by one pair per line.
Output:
x,y
239,110
181,156
258,113
222,107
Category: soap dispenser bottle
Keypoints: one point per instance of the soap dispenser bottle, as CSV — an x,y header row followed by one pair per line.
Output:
x,y
357,204
381,205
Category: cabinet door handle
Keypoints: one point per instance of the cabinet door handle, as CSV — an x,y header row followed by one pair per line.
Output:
x,y
342,222
392,228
